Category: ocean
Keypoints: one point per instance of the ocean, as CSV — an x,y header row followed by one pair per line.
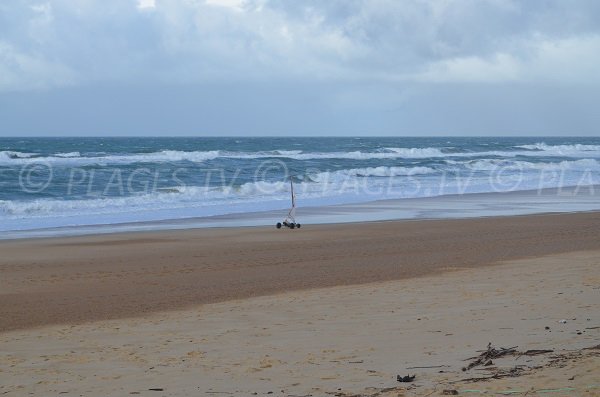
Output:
x,y
73,182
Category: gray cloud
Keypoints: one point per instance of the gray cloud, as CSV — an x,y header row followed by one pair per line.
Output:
x,y
64,42
376,58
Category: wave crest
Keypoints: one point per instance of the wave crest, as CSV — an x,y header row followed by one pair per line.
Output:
x,y
542,146
7,155
75,158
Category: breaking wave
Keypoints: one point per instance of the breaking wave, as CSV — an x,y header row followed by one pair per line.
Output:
x,y
8,155
76,159
541,146
517,165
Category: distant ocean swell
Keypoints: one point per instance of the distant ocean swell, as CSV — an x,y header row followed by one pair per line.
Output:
x,y
75,158
99,182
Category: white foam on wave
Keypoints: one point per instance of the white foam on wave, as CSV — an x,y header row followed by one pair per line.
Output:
x,y
382,171
322,184
357,184
75,158
168,156
417,152
155,157
518,165
287,152
561,148
315,185
389,153
94,206
167,198
68,155
8,155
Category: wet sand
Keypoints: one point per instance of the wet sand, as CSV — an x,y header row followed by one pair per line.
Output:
x,y
73,280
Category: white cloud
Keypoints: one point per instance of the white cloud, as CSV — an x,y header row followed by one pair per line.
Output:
x,y
498,68
571,60
492,41
237,5
42,8
146,4
20,71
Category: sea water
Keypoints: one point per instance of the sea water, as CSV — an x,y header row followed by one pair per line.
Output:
x,y
66,182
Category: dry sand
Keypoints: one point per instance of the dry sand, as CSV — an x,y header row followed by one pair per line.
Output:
x,y
66,332
346,340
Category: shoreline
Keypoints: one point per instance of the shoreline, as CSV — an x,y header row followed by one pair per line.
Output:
x,y
73,280
570,199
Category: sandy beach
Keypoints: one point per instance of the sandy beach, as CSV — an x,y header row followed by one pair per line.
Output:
x,y
240,198
325,310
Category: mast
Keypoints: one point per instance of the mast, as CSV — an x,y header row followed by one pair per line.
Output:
x,y
293,196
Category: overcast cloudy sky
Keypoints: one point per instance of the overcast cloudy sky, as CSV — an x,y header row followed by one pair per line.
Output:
x,y
274,67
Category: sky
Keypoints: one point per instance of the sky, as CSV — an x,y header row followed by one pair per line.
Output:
x,y
274,67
